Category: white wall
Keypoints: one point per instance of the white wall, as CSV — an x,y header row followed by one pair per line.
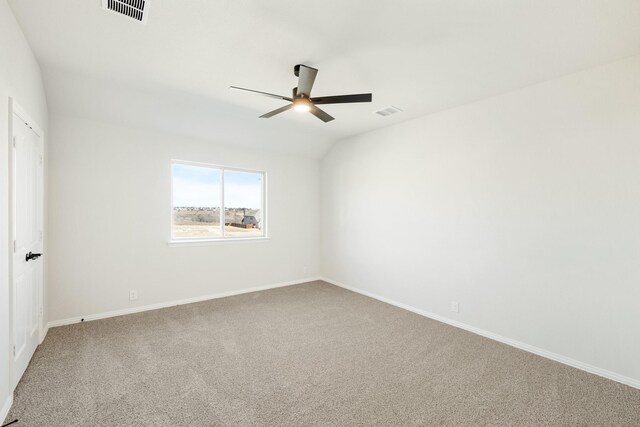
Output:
x,y
110,216
19,78
524,208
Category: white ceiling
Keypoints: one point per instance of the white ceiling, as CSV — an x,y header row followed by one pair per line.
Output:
x,y
422,56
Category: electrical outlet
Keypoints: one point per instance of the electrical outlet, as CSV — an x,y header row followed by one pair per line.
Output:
x,y
133,295
455,307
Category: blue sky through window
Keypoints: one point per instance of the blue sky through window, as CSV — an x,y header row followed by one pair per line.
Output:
x,y
242,189
199,186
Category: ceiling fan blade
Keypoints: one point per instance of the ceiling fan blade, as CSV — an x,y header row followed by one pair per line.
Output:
x,y
270,95
342,99
306,77
320,114
278,111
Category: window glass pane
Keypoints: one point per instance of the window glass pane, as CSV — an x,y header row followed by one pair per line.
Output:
x,y
196,201
243,204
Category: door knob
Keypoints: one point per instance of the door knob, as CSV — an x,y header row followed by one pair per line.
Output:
x,y
31,256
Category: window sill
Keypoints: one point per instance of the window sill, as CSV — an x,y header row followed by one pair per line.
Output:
x,y
209,242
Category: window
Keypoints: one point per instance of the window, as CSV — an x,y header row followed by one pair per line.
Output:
x,y
216,203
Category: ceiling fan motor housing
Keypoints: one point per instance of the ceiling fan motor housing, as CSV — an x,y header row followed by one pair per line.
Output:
x,y
301,99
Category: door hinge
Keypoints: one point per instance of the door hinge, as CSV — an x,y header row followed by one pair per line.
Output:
x,y
14,246
14,142
41,159
41,236
14,351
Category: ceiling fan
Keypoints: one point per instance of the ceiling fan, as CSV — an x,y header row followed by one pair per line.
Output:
x,y
301,99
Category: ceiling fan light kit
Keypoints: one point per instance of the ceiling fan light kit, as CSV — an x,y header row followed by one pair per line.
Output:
x,y
302,105
301,99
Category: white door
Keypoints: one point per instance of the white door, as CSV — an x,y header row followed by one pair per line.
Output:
x,y
26,179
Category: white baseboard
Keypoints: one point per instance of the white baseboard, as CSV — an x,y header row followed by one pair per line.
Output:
x,y
5,408
517,344
140,309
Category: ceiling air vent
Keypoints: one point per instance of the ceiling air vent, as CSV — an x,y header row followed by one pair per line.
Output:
x,y
136,9
388,111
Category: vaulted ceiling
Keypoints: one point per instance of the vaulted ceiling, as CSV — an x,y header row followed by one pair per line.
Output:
x,y
422,56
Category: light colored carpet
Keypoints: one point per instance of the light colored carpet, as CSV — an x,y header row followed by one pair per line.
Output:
x,y
305,355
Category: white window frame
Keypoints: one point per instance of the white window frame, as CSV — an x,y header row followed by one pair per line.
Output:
x,y
190,241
